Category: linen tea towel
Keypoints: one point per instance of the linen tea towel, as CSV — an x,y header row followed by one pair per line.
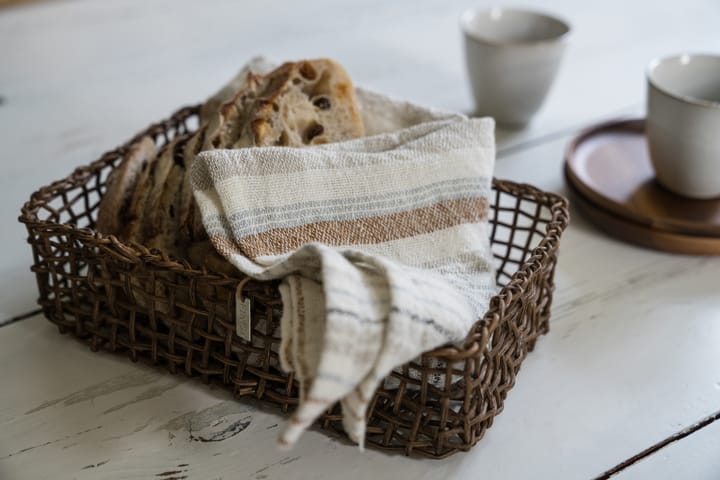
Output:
x,y
382,245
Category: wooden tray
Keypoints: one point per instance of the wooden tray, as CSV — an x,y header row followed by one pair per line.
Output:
x,y
639,234
608,170
609,165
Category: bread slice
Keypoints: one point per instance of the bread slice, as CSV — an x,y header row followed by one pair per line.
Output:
x,y
165,216
256,66
187,202
227,122
157,224
307,103
121,186
299,103
137,227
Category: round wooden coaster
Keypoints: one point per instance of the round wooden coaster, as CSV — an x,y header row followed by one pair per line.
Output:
x,y
609,165
640,234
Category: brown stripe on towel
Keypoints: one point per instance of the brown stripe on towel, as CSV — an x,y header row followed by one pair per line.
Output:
x,y
368,230
225,246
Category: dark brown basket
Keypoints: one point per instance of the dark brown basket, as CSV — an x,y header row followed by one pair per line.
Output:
x,y
125,298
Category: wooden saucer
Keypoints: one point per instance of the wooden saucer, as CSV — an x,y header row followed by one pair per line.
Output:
x,y
609,172
609,164
639,234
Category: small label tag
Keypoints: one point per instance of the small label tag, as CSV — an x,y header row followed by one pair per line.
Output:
x,y
242,316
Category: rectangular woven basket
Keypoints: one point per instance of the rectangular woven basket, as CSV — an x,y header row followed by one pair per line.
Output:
x,y
123,297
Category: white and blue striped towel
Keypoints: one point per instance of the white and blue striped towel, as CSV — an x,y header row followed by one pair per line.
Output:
x,y
381,244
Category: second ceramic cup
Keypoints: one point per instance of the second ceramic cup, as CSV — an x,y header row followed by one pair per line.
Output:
x,y
512,58
683,123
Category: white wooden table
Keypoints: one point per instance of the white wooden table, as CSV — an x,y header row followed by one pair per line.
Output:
x,y
633,356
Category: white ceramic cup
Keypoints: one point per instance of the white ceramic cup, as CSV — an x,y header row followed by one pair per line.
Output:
x,y
683,123
512,58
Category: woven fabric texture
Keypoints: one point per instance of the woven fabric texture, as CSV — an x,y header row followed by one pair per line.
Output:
x,y
365,235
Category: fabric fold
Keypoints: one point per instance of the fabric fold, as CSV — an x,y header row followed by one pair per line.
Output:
x,y
382,245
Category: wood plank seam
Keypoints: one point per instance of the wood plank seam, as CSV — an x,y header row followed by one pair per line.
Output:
x,y
563,132
661,444
20,317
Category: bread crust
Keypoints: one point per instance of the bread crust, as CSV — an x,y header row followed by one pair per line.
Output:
x,y
140,225
121,186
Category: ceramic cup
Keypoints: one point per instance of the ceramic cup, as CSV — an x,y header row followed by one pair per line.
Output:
x,y
512,58
683,123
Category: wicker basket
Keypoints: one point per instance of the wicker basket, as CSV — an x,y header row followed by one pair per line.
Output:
x,y
106,293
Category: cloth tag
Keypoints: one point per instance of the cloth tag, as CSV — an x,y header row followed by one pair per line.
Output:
x,y
242,315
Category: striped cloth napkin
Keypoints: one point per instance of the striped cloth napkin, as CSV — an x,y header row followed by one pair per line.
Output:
x,y
382,245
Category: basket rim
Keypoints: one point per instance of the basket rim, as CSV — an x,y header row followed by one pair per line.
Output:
x,y
539,256
134,252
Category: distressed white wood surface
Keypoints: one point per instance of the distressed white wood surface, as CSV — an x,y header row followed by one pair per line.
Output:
x,y
632,355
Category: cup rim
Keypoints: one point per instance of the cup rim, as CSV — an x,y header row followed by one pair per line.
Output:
x,y
682,98
465,17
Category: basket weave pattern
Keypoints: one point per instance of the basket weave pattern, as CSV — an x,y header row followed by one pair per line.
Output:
x,y
123,297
